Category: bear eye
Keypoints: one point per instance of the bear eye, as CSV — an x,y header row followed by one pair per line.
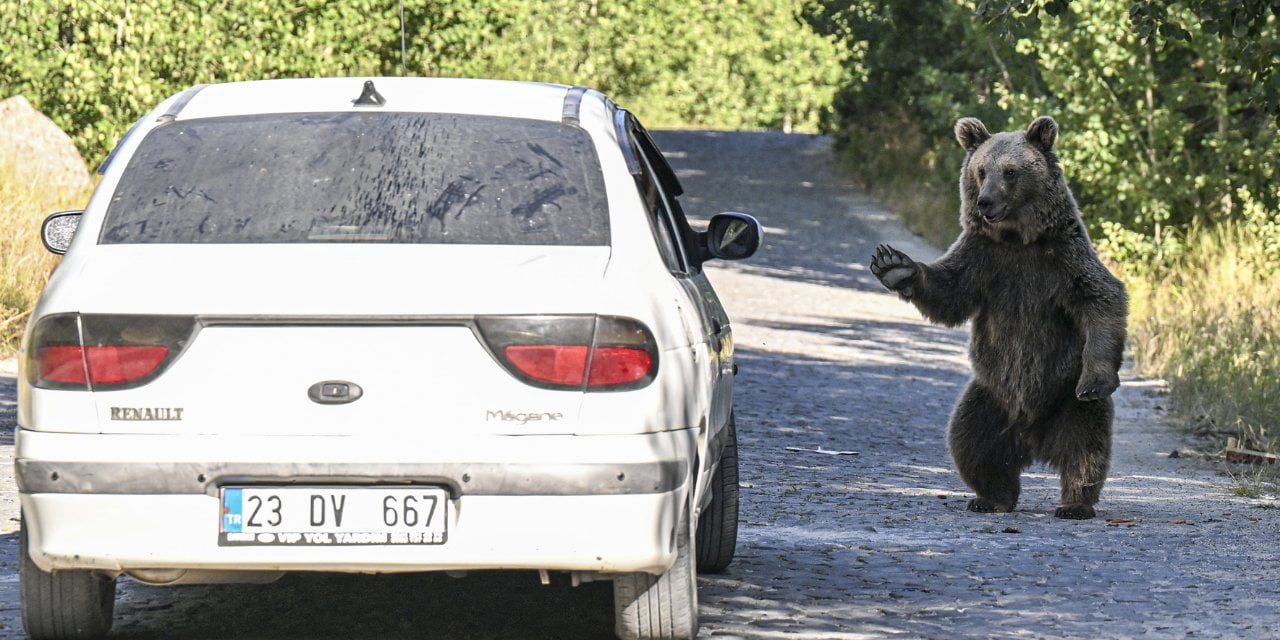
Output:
x,y
982,173
1010,172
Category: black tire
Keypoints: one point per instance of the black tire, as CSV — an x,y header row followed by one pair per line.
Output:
x,y
665,607
63,604
718,525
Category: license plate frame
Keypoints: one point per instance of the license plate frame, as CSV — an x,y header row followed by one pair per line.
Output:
x,y
333,515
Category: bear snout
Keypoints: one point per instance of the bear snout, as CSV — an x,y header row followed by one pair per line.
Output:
x,y
986,208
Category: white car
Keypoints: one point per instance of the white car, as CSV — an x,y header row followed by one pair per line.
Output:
x,y
385,325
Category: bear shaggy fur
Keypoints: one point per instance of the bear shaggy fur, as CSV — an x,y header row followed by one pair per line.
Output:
x,y
1047,321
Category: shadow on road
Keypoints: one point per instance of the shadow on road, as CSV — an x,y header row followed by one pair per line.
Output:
x,y
316,606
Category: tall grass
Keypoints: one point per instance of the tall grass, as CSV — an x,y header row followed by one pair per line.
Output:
x,y
24,263
1211,326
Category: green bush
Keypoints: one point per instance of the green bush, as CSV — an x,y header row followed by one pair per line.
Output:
x,y
1156,138
738,64
95,67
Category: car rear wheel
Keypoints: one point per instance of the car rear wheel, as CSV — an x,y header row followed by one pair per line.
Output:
x,y
718,525
63,604
665,607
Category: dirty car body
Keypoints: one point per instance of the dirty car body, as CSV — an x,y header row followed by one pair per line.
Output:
x,y
376,326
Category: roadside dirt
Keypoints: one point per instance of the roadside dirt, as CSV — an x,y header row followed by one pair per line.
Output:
x,y
854,523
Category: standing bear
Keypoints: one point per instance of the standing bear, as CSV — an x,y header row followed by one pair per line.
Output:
x,y
1047,321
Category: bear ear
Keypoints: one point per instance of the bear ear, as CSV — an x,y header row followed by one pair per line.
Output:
x,y
971,133
1043,132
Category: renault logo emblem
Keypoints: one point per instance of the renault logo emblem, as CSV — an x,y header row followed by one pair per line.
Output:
x,y
335,392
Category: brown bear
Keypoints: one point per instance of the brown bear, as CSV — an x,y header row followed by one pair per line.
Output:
x,y
1047,321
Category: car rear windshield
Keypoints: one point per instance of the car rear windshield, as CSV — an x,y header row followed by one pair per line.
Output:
x,y
361,177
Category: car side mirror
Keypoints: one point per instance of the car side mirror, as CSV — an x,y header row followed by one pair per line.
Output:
x,y
58,230
733,236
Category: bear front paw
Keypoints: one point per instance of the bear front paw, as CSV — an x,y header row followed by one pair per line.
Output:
x,y
893,268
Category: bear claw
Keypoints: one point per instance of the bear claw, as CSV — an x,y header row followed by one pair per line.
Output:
x,y
1074,512
892,267
983,505
1091,390
1089,395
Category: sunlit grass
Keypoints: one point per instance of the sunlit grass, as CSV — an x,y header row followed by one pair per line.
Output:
x,y
24,263
1210,325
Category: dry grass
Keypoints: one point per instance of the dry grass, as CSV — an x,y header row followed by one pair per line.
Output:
x,y
24,263
1211,326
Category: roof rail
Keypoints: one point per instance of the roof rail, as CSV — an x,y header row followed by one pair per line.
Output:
x,y
180,104
165,118
573,105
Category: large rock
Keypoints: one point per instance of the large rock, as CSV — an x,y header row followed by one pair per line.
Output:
x,y
39,151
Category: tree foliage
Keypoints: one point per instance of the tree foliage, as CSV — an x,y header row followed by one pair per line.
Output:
x,y
923,57
735,64
95,67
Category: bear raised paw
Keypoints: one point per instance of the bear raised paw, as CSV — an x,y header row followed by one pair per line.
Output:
x,y
1047,322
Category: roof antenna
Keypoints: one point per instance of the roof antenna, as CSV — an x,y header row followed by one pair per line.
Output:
x,y
404,66
370,97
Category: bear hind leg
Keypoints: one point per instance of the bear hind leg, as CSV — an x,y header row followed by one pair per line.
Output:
x,y
1081,489
985,450
1079,446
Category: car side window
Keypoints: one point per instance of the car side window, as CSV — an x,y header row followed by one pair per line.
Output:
x,y
671,229
655,205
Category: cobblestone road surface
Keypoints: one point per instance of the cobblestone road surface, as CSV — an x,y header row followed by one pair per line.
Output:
x,y
854,523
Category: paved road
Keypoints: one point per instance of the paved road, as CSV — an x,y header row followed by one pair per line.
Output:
x,y
834,544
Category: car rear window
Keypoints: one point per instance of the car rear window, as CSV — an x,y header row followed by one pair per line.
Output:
x,y
361,177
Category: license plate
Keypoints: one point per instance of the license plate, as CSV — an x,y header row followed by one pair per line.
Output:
x,y
297,516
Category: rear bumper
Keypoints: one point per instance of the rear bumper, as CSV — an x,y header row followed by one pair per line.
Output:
x,y
470,478
574,503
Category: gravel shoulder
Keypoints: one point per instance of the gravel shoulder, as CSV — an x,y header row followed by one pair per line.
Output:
x,y
854,523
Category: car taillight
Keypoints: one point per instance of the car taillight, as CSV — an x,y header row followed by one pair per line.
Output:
x,y
592,353
549,363
90,352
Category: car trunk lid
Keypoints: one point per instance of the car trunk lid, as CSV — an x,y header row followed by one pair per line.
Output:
x,y
343,341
